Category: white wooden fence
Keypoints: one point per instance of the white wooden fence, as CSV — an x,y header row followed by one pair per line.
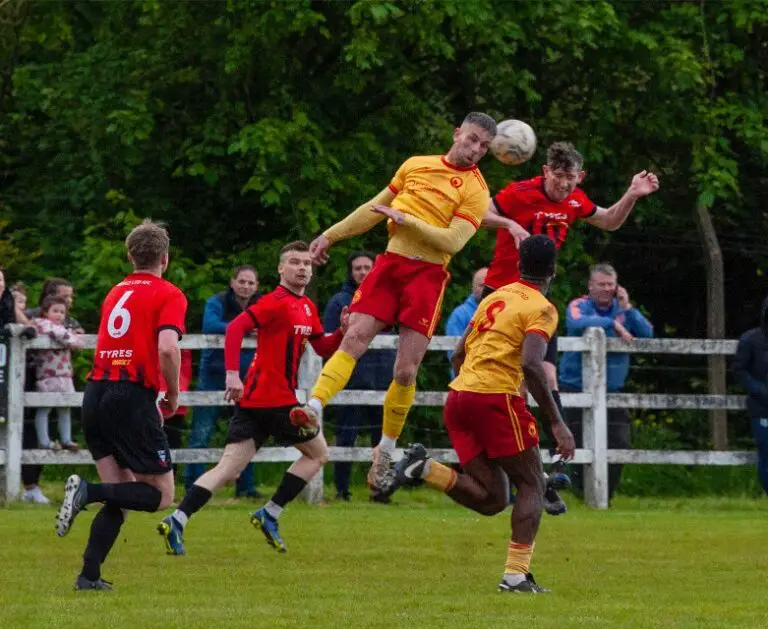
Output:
x,y
594,400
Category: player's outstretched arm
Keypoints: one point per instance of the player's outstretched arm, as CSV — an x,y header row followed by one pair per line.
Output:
x,y
610,219
449,239
356,223
534,350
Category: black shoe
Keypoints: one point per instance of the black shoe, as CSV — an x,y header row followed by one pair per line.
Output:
x,y
558,478
99,584
408,470
528,586
380,497
346,496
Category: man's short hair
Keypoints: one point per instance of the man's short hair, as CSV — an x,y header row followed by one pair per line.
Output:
x,y
245,267
147,244
604,268
296,245
538,257
564,156
484,121
51,300
51,286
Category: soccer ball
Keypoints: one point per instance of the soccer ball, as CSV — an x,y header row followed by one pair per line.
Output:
x,y
515,142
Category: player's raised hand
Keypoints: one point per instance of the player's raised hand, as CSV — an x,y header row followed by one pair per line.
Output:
x,y
233,387
643,184
565,443
344,320
518,232
318,250
395,215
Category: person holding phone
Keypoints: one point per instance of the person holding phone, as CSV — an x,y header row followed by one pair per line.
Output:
x,y
606,305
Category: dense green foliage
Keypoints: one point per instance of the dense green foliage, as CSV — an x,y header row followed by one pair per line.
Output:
x,y
244,124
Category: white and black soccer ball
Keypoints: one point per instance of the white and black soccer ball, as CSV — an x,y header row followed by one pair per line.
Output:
x,y
515,142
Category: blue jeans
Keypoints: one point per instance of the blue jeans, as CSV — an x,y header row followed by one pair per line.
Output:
x,y
760,432
204,420
350,420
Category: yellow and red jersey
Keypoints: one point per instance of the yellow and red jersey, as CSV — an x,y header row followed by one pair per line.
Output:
x,y
435,191
494,346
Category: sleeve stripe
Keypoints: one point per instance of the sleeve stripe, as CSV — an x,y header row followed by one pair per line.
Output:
x,y
253,317
169,326
468,217
592,212
393,189
541,333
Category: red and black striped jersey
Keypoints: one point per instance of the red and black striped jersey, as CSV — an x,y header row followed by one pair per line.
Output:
x,y
285,322
526,203
132,315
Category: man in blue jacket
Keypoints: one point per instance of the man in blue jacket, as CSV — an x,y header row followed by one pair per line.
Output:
x,y
751,367
462,314
606,306
219,311
373,372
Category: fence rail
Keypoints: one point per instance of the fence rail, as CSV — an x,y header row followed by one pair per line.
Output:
x,y
595,401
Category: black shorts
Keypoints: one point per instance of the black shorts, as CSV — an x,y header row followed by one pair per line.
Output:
x,y
121,419
551,355
260,424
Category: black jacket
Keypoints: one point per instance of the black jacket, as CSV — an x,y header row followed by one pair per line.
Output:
x,y
751,365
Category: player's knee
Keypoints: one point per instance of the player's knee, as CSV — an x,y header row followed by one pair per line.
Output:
x,y
356,341
405,374
320,458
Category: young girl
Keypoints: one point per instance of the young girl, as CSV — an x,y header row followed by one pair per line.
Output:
x,y
54,370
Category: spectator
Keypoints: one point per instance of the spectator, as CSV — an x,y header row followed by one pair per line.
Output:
x,y
606,306
461,315
61,288
219,311
19,294
751,368
173,425
11,312
373,372
53,371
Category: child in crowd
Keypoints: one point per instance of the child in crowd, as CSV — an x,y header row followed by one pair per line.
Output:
x,y
53,370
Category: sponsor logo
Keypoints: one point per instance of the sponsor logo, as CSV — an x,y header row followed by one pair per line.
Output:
x,y
553,216
424,322
303,330
457,182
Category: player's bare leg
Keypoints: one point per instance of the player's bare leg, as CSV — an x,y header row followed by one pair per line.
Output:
x,y
525,471
314,454
234,460
338,369
411,349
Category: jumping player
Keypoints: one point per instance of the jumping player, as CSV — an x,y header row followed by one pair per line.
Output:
x,y
487,420
142,320
434,205
286,320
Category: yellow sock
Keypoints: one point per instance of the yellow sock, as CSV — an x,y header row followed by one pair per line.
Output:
x,y
441,477
518,558
397,403
334,376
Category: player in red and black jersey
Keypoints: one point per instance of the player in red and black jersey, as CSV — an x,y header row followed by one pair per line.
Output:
x,y
549,205
142,320
286,320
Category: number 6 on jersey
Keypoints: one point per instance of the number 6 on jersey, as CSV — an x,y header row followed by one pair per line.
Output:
x,y
121,314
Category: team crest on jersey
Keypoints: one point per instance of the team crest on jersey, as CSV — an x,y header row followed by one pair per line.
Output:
x,y
532,430
457,182
574,203
356,297
307,311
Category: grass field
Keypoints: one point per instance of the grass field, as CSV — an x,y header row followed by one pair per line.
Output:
x,y
420,563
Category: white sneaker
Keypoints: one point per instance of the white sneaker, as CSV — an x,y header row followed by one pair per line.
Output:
x,y
36,496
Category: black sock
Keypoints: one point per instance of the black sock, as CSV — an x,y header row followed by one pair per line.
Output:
x,y
289,488
104,531
132,496
196,499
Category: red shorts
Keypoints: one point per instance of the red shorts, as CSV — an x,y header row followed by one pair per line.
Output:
x,y
402,290
498,424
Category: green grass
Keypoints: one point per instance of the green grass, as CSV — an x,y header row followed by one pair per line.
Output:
x,y
423,562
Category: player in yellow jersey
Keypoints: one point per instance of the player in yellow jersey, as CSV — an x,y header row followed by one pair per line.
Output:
x,y
489,424
434,205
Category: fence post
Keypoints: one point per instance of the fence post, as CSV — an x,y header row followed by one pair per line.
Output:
x,y
309,371
12,372
595,422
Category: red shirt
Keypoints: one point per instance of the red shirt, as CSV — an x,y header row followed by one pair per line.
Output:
x,y
286,322
132,315
526,203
